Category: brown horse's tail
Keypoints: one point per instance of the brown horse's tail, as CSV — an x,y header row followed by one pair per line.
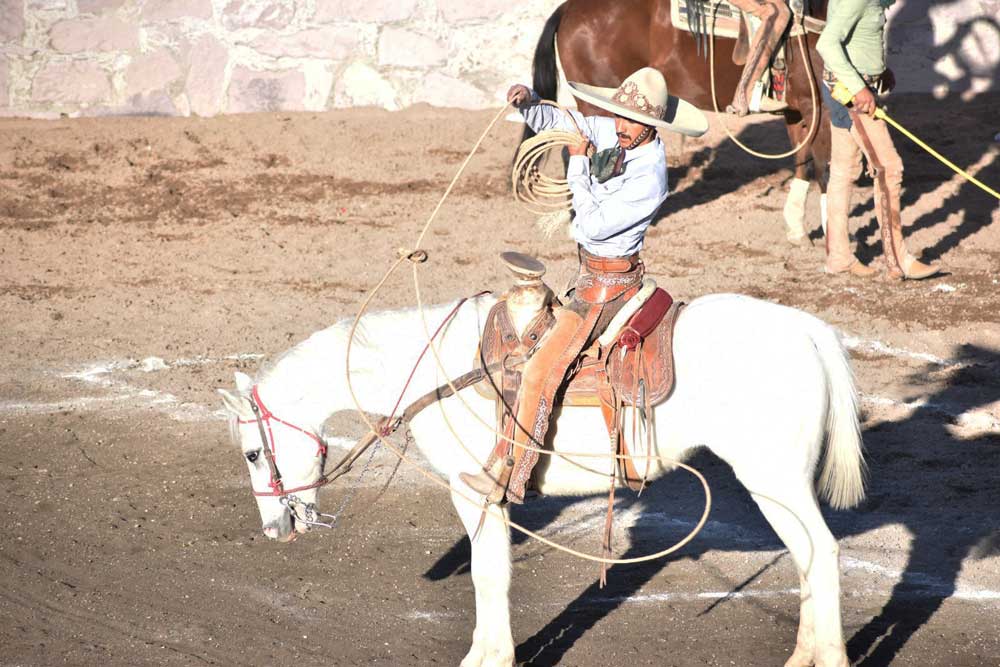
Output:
x,y
545,77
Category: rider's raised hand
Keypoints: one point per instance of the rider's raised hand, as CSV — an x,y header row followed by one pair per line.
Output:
x,y
579,148
519,95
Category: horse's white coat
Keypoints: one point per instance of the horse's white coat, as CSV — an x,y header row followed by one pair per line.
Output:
x,y
761,385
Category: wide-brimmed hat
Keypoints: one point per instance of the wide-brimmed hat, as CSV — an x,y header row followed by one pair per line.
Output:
x,y
643,97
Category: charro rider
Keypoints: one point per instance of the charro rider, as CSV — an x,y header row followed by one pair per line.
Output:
x,y
853,50
774,16
618,178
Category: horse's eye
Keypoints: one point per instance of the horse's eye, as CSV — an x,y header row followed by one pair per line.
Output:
x,y
252,456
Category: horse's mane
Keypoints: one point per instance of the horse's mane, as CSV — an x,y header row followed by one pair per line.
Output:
x,y
302,371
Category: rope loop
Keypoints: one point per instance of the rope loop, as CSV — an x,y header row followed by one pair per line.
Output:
x,y
379,431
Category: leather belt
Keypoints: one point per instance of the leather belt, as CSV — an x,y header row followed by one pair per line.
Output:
x,y
597,264
604,279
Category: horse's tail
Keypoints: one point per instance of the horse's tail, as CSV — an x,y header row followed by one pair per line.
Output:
x,y
545,76
842,479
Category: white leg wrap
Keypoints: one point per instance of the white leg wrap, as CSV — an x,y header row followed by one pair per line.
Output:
x,y
822,211
795,210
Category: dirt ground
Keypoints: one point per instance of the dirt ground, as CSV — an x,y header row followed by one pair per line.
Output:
x,y
143,260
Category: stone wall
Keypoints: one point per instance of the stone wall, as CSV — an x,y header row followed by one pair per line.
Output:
x,y
207,57
228,56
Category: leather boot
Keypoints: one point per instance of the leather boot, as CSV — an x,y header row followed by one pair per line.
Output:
x,y
856,269
491,483
859,270
913,269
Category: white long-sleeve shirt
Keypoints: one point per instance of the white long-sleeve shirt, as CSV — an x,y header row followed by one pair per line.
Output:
x,y
611,217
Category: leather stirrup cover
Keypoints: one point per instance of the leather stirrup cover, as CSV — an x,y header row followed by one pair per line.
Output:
x,y
741,50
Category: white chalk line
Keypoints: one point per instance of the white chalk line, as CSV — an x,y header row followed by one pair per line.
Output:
x,y
915,584
126,395
870,346
976,420
937,589
131,397
922,583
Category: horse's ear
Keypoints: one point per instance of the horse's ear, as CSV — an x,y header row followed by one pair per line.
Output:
x,y
243,383
236,405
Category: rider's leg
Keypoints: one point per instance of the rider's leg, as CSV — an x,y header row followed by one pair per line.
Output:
x,y
542,376
774,16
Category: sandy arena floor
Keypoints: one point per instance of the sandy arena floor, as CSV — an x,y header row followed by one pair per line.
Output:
x,y
143,260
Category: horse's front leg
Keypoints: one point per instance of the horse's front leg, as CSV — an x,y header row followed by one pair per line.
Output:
x,y
492,641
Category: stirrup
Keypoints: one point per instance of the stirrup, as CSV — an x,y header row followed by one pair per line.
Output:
x,y
771,105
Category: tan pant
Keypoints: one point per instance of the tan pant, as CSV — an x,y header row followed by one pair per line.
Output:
x,y
845,167
577,326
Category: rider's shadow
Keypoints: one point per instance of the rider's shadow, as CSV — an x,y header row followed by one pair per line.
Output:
x,y
923,476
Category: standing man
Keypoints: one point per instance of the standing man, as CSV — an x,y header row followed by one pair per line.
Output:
x,y
853,49
617,174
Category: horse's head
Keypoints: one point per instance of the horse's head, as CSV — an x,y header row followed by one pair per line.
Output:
x,y
285,461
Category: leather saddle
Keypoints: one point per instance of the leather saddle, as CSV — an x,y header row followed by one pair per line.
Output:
x,y
634,368
641,377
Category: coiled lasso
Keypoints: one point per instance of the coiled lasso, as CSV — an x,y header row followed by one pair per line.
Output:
x,y
547,197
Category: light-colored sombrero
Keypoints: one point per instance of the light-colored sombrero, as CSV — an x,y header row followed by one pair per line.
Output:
x,y
643,97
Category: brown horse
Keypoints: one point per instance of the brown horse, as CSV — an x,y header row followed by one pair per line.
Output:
x,y
602,42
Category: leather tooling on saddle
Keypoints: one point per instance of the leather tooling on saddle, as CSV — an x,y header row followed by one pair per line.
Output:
x,y
631,364
649,348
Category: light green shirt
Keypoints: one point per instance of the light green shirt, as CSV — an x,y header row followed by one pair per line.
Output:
x,y
853,41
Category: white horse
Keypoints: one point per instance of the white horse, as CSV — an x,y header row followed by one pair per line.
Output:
x,y
762,386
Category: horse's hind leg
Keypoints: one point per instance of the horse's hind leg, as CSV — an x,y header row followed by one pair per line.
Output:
x,y
795,204
821,162
794,514
492,641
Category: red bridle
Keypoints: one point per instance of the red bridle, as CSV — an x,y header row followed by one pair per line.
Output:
x,y
263,418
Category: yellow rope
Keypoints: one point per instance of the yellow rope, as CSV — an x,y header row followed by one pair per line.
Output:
x,y
416,257
879,113
842,95
813,124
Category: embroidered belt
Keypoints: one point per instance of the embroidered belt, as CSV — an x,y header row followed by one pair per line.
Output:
x,y
603,279
873,81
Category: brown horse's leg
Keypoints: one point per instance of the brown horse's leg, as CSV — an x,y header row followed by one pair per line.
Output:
x,y
795,204
774,16
821,161
801,94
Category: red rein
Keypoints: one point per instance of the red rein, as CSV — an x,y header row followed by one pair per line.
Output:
x,y
264,417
